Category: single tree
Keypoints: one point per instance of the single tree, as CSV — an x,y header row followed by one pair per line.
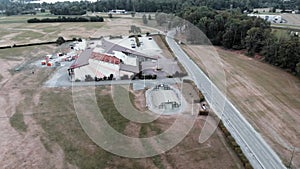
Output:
x,y
60,40
133,14
145,21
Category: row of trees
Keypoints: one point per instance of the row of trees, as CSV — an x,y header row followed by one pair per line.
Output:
x,y
167,6
234,30
69,8
66,19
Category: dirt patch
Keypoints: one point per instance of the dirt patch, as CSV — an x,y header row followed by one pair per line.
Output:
x,y
292,19
20,143
139,100
165,51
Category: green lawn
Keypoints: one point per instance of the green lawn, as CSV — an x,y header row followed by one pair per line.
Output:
x,y
281,33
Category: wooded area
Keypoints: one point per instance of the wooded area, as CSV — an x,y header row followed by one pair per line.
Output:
x,y
66,19
167,6
237,31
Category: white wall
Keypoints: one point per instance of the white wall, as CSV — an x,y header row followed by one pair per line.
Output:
x,y
128,60
99,69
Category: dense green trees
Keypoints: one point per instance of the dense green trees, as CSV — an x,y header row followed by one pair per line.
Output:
x,y
68,8
234,30
167,6
67,19
145,20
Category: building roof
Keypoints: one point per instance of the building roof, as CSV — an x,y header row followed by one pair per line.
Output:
x,y
129,68
105,58
109,47
129,51
82,60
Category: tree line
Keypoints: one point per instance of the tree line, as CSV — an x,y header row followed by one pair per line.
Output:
x,y
67,19
234,30
167,6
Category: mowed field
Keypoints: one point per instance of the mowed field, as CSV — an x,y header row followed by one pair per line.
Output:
x,y
16,30
292,19
39,127
267,96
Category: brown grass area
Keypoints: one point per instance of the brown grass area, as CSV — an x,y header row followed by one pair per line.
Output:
x,y
31,33
164,48
54,138
267,96
292,19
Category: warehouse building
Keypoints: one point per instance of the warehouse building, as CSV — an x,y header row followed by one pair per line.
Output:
x,y
91,65
105,59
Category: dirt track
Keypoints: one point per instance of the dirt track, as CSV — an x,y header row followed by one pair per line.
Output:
x,y
267,96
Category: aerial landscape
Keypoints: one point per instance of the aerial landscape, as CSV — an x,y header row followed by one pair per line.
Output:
x,y
150,84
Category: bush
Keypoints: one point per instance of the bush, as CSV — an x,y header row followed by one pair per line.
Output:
x,y
67,19
125,77
203,113
60,40
88,78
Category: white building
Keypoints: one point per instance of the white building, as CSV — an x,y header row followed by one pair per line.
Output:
x,y
91,64
118,11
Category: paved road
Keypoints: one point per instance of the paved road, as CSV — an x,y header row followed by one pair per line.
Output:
x,y
252,144
60,79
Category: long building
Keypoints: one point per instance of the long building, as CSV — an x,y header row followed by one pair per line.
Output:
x,y
103,59
98,65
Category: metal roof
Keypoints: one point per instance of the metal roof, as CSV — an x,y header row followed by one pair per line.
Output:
x,y
105,58
83,59
110,47
129,68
